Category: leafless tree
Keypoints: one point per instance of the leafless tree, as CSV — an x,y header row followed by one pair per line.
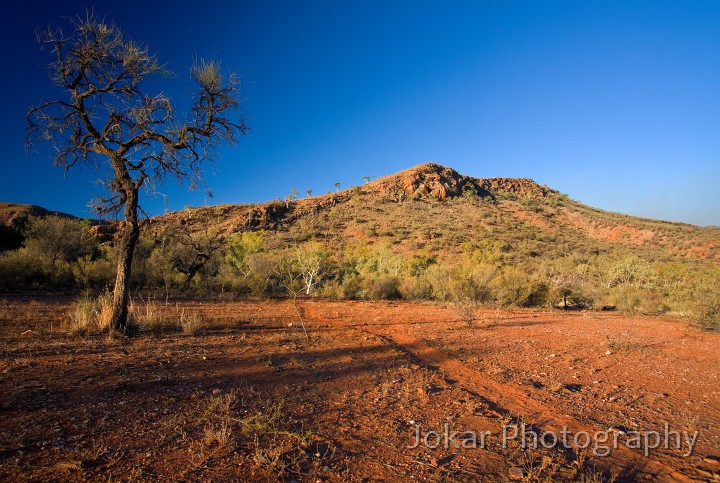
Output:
x,y
106,119
192,251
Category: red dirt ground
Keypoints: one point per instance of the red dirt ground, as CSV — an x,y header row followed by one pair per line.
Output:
x,y
251,399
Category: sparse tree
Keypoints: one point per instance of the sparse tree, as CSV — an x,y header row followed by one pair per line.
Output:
x,y
310,262
240,247
105,118
308,193
192,251
56,239
290,197
337,186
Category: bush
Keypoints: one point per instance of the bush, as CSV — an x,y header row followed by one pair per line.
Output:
x,y
515,287
381,287
465,307
97,274
191,323
11,238
19,269
441,279
634,300
702,300
352,287
706,311
60,239
262,268
332,290
415,288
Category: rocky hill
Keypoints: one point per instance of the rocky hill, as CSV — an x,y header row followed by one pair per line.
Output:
x,y
435,209
11,211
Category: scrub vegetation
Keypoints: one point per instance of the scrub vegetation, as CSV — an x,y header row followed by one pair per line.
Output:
x,y
424,234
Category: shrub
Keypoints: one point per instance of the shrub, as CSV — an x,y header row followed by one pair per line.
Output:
x,y
98,273
11,237
352,287
415,288
20,269
515,287
464,307
634,300
148,315
262,268
83,315
381,287
332,290
59,239
440,278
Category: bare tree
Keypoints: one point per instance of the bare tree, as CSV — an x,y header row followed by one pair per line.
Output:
x,y
193,251
105,118
292,280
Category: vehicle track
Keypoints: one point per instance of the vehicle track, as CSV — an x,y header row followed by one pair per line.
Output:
x,y
626,464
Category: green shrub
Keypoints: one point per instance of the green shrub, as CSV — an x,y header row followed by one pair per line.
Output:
x,y
352,287
381,287
19,269
333,290
415,288
634,300
515,287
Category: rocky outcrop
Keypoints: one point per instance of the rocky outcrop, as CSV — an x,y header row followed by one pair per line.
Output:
x,y
440,183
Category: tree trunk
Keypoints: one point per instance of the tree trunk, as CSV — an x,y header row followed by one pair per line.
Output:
x,y
130,235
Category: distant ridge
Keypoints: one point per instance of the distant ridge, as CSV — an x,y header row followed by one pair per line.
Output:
x,y
10,211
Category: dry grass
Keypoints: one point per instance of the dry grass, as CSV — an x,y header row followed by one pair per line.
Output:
x,y
89,314
218,428
624,342
191,323
148,315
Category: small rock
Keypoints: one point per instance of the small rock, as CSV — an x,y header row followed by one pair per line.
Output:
x,y
516,473
216,392
608,352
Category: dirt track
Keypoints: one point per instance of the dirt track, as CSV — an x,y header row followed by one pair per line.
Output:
x,y
353,396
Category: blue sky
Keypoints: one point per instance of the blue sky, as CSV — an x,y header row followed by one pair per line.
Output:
x,y
616,103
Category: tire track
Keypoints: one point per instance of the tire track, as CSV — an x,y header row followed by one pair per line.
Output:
x,y
623,462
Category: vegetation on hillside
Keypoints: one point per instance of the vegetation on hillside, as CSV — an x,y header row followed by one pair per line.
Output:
x,y
496,243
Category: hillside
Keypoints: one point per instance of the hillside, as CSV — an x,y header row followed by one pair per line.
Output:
x,y
11,211
433,209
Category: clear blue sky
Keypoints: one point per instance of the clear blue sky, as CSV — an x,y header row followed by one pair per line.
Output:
x,y
616,103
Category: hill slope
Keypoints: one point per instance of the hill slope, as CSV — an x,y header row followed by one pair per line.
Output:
x,y
10,211
434,209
